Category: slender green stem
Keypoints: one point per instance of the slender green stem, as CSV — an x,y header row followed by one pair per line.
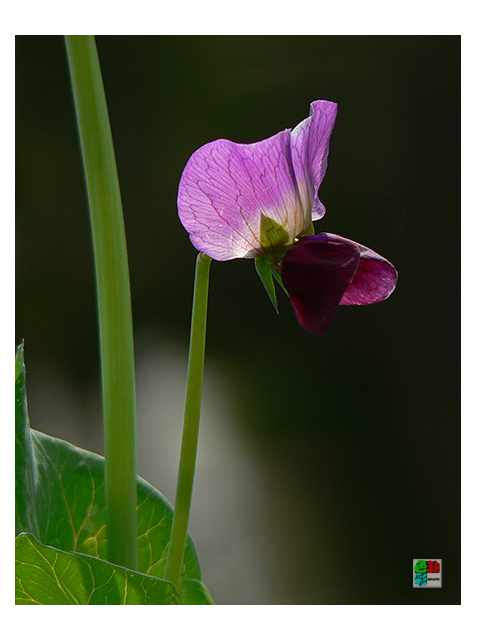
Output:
x,y
113,296
191,420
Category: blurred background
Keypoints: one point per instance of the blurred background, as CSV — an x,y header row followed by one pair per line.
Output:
x,y
326,463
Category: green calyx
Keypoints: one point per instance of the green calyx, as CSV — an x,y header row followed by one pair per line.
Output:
x,y
274,239
275,242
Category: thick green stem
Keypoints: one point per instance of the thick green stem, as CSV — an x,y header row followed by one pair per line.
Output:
x,y
114,303
191,421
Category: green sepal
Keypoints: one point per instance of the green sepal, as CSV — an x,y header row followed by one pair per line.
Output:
x,y
265,275
278,278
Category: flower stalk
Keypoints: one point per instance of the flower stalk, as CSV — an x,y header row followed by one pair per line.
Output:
x,y
191,424
113,297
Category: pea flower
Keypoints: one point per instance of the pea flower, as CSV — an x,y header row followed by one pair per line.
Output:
x,y
259,201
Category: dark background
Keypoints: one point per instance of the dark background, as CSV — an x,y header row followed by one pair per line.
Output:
x,y
356,432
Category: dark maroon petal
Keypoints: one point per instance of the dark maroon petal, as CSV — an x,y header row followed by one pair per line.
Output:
x,y
374,281
316,272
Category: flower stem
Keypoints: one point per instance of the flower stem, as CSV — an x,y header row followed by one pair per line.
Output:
x,y
191,423
113,297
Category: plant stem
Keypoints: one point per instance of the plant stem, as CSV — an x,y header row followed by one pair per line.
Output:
x,y
113,297
191,423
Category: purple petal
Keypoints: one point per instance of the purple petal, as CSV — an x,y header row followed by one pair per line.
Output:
x,y
323,271
310,145
316,272
226,189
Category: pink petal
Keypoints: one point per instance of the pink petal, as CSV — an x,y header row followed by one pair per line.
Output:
x,y
227,189
310,146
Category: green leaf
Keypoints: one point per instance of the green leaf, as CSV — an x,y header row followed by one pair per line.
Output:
x,y
44,575
195,592
25,470
70,508
60,498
